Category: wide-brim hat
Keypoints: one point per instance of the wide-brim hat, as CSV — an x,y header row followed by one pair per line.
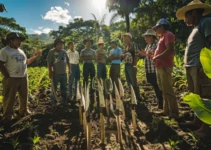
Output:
x,y
84,42
100,41
162,21
128,34
149,32
195,4
14,35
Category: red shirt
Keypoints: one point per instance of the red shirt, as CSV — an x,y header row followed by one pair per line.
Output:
x,y
167,61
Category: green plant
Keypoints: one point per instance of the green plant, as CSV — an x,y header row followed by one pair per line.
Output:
x,y
205,58
195,139
35,140
201,107
173,143
15,142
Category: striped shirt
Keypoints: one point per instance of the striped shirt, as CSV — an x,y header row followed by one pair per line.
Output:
x,y
149,64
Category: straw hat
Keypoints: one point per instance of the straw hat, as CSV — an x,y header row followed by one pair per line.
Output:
x,y
100,41
128,34
195,4
149,32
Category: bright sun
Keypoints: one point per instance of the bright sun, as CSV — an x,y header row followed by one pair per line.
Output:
x,y
100,4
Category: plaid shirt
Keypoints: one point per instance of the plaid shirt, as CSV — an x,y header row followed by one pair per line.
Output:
x,y
149,64
131,52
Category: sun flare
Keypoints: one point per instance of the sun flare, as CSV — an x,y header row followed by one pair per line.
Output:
x,y
100,4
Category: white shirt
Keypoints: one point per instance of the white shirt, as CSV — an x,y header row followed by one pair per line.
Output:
x,y
73,57
15,61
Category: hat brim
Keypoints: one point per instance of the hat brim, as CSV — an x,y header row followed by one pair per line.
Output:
x,y
127,35
148,34
180,14
88,40
100,43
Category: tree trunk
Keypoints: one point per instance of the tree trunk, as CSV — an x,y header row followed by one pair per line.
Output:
x,y
127,19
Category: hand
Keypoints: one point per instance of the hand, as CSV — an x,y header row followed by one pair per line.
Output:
x,y
37,53
122,56
142,53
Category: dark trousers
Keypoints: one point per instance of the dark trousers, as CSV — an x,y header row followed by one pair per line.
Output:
x,y
115,74
131,79
152,79
88,71
101,71
62,79
74,76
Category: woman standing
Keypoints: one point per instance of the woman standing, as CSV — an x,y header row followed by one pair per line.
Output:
x,y
150,38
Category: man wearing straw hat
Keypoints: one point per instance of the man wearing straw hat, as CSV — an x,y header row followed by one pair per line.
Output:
x,y
131,56
101,59
13,66
150,38
199,38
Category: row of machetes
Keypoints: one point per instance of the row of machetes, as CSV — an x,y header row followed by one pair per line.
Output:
x,y
83,99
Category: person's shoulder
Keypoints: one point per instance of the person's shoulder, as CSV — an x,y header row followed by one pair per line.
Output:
x,y
6,48
169,34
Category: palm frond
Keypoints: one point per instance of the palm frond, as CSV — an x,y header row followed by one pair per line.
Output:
x,y
114,17
103,19
94,17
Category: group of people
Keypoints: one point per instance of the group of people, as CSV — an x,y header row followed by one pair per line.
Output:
x,y
158,56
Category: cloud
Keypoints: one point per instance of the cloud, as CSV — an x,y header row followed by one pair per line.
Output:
x,y
58,15
66,3
41,30
77,17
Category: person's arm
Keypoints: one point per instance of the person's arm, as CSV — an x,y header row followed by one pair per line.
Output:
x,y
50,64
113,57
3,70
68,64
33,58
169,49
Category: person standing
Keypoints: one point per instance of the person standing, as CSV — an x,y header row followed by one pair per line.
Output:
x,y
57,62
73,56
150,38
164,62
101,60
87,55
199,38
131,57
115,57
13,66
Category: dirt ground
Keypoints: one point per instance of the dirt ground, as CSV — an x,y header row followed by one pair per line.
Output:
x,y
59,129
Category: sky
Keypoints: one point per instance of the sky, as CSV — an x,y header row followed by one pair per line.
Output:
x,y
42,16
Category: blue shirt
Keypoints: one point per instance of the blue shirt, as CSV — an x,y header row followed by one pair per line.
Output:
x,y
116,52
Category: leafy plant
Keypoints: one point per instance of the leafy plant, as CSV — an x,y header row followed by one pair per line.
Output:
x,y
35,139
205,58
15,142
173,143
201,107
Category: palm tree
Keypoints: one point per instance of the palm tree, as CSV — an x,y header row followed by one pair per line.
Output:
x,y
99,24
2,8
122,8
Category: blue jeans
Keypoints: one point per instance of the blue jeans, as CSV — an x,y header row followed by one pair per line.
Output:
x,y
62,79
131,79
88,71
75,76
101,71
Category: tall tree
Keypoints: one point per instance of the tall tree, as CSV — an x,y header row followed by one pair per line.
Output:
x,y
123,8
